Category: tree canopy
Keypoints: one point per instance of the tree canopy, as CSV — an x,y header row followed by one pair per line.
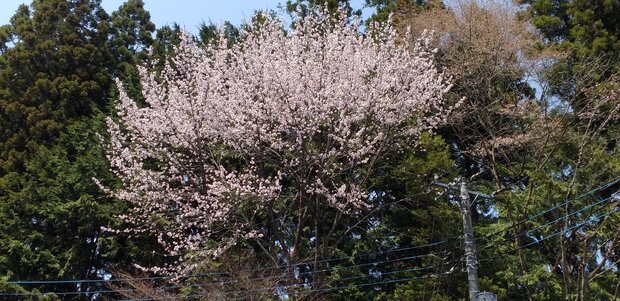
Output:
x,y
309,161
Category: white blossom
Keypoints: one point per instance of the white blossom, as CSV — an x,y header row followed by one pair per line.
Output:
x,y
225,129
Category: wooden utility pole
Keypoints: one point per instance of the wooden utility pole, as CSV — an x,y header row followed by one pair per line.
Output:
x,y
471,261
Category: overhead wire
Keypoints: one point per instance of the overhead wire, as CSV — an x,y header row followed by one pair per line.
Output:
x,y
224,273
558,219
599,188
337,268
255,279
568,201
538,241
233,281
215,273
311,290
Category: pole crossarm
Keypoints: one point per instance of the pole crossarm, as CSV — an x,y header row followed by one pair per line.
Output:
x,y
454,187
473,281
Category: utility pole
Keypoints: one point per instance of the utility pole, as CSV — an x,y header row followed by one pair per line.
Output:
x,y
471,261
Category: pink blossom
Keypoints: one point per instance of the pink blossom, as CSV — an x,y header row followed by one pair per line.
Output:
x,y
317,104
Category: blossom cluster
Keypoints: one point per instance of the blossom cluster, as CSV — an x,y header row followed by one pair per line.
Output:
x,y
290,116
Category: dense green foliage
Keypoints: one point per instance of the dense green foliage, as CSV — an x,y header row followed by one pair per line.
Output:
x,y
304,7
588,35
533,143
58,61
54,73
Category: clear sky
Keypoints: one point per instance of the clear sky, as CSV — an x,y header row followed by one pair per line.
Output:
x,y
188,13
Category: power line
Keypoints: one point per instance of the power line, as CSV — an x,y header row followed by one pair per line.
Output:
x,y
597,189
316,290
26,282
604,186
596,217
223,273
376,283
348,286
570,214
98,292
600,202
234,281
331,269
537,241
368,276
78,281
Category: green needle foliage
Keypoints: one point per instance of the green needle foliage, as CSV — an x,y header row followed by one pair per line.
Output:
x,y
534,134
58,59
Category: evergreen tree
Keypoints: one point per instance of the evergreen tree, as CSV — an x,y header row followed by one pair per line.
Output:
x,y
386,7
58,58
131,36
587,33
305,7
53,213
54,73
209,33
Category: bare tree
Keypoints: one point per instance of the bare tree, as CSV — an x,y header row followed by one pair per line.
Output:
x,y
513,127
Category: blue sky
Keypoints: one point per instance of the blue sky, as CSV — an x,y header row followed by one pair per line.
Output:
x,y
188,13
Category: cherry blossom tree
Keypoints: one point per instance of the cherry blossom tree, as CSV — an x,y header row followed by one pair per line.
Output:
x,y
269,144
